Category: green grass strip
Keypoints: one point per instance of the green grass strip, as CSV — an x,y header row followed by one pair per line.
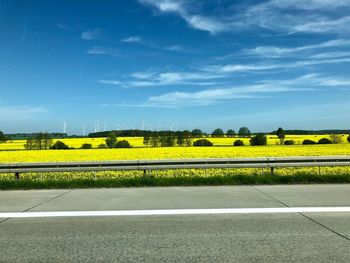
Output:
x,y
154,181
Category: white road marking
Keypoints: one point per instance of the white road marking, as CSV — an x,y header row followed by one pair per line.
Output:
x,y
173,212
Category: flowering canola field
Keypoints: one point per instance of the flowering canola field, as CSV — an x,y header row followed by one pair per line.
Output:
x,y
172,152
137,142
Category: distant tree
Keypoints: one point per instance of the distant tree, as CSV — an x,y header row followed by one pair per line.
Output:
x,y
197,133
218,133
29,145
230,133
187,137
111,140
324,141
289,142
202,142
281,135
238,143
86,146
146,139
59,145
336,138
308,142
180,138
2,137
259,139
167,139
244,132
155,140
42,141
123,144
47,141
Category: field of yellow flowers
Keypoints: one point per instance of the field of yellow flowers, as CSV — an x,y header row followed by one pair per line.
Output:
x,y
135,177
137,142
172,152
224,149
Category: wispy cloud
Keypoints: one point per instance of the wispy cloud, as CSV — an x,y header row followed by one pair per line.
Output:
x,y
331,54
93,34
213,96
273,51
63,27
99,50
149,79
237,68
132,39
197,21
315,16
258,90
174,48
312,80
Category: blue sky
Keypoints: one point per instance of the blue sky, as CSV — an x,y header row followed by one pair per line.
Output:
x,y
182,64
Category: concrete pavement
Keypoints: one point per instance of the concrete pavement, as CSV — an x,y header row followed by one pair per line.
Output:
x,y
295,237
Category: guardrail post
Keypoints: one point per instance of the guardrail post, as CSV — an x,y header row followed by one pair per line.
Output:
x,y
17,175
144,172
272,170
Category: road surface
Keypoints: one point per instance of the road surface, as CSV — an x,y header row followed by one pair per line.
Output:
x,y
201,224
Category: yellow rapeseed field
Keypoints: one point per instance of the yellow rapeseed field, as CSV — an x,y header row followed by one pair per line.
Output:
x,y
138,141
172,152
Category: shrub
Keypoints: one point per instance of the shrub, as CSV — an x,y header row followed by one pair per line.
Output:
x,y
111,140
2,137
336,138
102,146
203,142
259,139
238,143
59,145
123,144
289,142
86,146
349,138
324,141
307,142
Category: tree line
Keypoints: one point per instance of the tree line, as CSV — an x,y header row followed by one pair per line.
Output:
x,y
196,133
43,141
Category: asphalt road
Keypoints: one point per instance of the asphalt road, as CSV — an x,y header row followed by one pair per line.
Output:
x,y
251,237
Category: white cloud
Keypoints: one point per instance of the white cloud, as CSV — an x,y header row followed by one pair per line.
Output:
x,y
213,96
310,4
236,68
98,50
131,39
334,54
312,80
324,25
272,51
197,21
312,16
174,48
149,79
93,34
110,82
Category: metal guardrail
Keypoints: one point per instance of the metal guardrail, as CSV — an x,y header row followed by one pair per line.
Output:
x,y
147,165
